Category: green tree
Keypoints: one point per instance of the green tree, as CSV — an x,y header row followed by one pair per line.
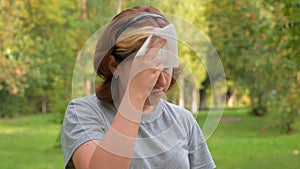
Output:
x,y
33,55
235,30
256,42
285,100
15,63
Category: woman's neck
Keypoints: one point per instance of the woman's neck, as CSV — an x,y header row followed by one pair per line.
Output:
x,y
148,109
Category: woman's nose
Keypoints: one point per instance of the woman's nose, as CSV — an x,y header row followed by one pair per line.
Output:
x,y
162,79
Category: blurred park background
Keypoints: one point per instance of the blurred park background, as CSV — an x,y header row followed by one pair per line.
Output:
x,y
256,40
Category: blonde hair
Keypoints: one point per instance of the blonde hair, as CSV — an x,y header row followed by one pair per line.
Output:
x,y
130,40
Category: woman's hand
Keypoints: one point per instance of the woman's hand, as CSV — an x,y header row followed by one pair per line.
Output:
x,y
143,73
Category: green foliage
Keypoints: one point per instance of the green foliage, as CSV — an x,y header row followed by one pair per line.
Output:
x,y
33,52
285,100
234,28
21,105
256,41
39,44
13,61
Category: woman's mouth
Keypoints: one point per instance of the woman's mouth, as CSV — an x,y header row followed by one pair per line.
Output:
x,y
157,92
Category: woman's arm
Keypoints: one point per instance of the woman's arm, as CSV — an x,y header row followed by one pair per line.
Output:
x,y
116,147
113,151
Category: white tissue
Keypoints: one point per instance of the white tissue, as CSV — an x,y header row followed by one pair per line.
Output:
x,y
169,52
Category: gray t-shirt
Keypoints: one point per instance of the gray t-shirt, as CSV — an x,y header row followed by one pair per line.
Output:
x,y
168,137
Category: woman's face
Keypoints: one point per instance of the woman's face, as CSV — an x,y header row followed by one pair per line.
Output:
x,y
160,88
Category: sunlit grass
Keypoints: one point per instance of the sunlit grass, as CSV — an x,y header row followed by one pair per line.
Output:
x,y
29,143
252,142
249,143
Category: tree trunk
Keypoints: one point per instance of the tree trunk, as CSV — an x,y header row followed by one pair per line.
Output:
x,y
298,79
87,85
195,101
258,108
119,9
202,93
44,104
231,95
181,94
83,10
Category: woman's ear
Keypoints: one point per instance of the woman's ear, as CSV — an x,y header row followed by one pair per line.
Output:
x,y
112,64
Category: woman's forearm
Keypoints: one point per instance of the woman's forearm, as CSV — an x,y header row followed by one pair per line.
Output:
x,y
116,148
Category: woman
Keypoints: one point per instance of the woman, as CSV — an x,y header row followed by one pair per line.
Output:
x,y
127,124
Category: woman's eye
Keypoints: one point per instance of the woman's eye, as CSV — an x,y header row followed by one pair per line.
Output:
x,y
167,69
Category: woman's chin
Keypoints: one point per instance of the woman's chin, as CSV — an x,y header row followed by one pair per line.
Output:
x,y
153,100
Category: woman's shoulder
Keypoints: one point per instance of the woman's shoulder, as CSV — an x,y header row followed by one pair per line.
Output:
x,y
85,99
91,101
89,105
84,105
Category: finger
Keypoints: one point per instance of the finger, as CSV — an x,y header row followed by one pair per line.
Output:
x,y
152,41
157,42
152,51
157,60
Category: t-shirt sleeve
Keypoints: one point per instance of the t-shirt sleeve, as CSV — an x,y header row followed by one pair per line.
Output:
x,y
199,154
83,122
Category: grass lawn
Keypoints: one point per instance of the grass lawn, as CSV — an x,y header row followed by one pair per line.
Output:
x,y
28,143
246,142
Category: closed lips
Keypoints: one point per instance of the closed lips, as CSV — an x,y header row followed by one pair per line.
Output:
x,y
157,91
